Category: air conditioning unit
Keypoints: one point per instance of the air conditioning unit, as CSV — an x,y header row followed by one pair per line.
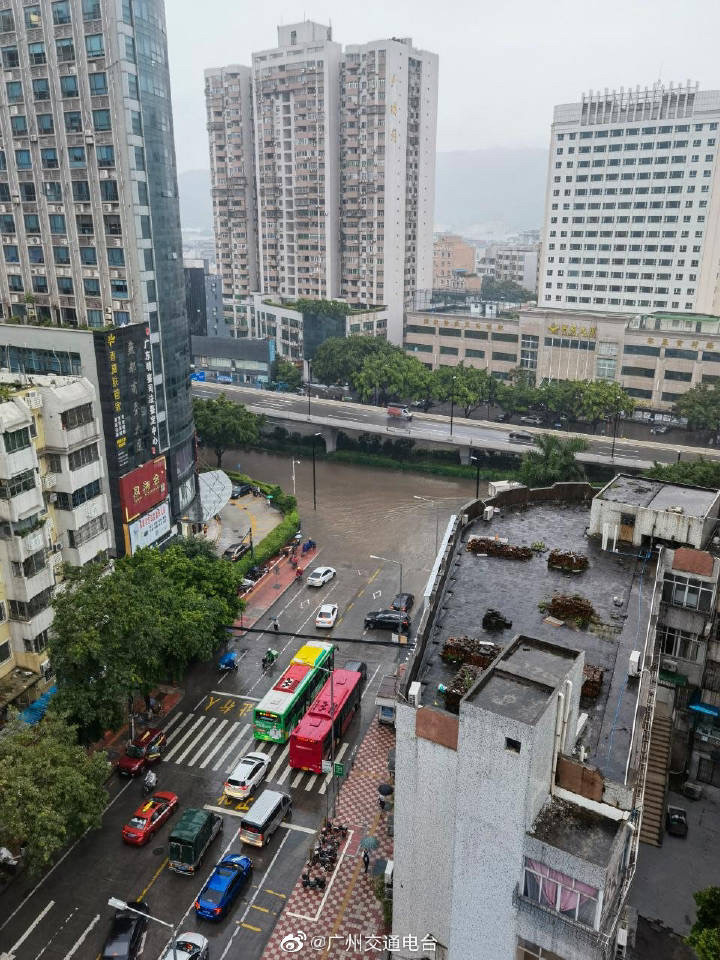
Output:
x,y
634,664
33,138
488,513
668,666
414,694
48,481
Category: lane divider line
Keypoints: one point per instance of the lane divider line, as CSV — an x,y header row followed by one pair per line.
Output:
x,y
32,926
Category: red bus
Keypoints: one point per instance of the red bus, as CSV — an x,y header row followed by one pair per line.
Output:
x,y
310,740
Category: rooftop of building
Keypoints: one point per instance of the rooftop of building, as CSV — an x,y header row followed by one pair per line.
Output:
x,y
618,586
659,495
577,830
232,348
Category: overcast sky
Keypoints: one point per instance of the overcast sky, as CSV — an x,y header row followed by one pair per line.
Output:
x,y
503,65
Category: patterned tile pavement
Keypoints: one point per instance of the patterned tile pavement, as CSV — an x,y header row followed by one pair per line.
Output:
x,y
347,910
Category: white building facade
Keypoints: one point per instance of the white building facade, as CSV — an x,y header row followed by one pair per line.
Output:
x,y
632,209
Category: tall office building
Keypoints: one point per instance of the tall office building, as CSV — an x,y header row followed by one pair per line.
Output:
x,y
89,222
344,167
632,203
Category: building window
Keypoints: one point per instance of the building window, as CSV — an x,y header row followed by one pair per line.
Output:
x,y
116,256
61,12
49,158
85,225
105,156
61,256
69,86
678,375
14,91
41,89
7,225
18,484
57,224
27,192
65,49
30,566
5,651
687,592
109,191
88,531
10,57
45,124
19,610
39,284
7,24
76,157
76,416
531,951
98,84
91,9
94,45
119,289
23,160
678,643
37,644
83,456
18,125
53,191
65,286
101,120
88,256
450,332
17,440
557,891
605,368
95,318
504,357
478,354
66,501
32,223
81,191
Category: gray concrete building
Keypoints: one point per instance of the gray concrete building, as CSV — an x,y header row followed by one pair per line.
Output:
x,y
89,218
523,774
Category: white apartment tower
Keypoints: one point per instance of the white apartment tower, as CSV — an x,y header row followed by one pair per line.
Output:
x,y
232,169
387,164
632,210
341,200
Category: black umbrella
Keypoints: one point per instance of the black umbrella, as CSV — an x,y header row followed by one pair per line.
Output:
x,y
369,843
385,789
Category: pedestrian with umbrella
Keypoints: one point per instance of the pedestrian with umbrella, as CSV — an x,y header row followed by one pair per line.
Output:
x,y
366,860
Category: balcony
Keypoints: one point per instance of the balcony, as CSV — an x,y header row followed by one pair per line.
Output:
x,y
23,505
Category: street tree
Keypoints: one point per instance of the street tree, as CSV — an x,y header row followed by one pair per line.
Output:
x,y
704,935
505,290
605,400
552,461
469,387
562,398
383,376
517,397
701,406
222,424
283,371
696,473
338,358
51,789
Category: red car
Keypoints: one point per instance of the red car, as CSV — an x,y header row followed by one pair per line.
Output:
x,y
149,818
144,750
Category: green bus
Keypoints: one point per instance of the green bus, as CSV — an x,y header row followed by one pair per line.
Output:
x,y
284,705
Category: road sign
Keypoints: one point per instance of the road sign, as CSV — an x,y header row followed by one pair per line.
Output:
x,y
326,766
339,769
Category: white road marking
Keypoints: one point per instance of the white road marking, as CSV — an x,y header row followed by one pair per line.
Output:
x,y
193,743
284,775
340,859
232,746
238,928
312,781
173,720
328,778
204,747
57,932
368,684
84,934
36,921
176,731
273,772
238,696
186,736
297,779
221,741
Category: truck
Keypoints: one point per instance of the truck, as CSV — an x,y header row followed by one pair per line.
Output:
x,y
190,839
399,413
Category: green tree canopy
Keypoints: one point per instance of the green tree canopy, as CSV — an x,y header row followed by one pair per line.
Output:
x,y
469,386
697,473
505,290
51,790
391,374
701,406
552,461
338,358
704,936
283,371
604,399
562,398
222,424
120,633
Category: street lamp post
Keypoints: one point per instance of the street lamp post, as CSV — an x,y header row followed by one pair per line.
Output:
x,y
437,517
294,462
117,904
615,423
476,461
452,401
315,436
309,363
388,560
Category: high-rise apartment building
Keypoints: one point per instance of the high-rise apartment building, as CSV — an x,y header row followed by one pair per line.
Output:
x,y
632,204
453,261
89,215
340,201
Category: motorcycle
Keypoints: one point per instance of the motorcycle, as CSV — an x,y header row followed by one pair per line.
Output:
x,y
149,782
228,662
315,883
269,658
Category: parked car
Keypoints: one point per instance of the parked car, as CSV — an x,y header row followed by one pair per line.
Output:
x,y
126,934
358,666
326,615
247,775
504,418
188,946
320,576
145,749
531,421
236,550
660,429
676,821
148,819
225,883
239,490
519,436
388,620
403,601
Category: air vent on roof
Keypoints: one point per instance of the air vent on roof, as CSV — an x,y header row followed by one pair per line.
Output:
x,y
676,508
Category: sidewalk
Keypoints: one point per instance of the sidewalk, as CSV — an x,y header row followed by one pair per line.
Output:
x,y
271,587
346,919
114,740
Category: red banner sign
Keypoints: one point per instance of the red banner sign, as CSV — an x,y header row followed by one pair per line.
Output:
x,y
143,488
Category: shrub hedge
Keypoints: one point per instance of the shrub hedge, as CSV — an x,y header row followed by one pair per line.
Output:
x,y
273,543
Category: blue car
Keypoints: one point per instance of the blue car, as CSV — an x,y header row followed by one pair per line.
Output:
x,y
225,883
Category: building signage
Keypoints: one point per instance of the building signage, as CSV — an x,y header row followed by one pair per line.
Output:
x,y
572,330
149,528
143,488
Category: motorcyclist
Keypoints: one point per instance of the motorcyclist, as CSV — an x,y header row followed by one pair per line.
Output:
x,y
150,781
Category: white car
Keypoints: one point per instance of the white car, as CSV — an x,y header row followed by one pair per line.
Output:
x,y
246,775
188,946
326,615
320,576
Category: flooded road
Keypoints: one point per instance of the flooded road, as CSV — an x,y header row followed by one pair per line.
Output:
x,y
363,510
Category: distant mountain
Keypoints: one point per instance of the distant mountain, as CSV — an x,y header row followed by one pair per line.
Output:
x,y
477,191
484,191
195,202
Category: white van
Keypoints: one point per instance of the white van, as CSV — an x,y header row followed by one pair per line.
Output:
x,y
264,817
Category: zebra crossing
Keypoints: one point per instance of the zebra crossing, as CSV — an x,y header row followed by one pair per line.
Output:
x,y
208,743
